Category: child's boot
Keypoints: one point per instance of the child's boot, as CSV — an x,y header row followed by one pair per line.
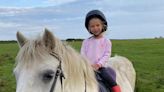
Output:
x,y
116,88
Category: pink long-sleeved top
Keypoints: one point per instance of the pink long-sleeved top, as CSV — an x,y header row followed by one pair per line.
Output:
x,y
97,51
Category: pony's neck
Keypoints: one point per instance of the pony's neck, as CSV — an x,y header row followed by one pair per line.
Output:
x,y
77,70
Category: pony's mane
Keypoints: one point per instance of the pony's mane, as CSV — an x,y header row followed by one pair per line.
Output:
x,y
73,63
32,51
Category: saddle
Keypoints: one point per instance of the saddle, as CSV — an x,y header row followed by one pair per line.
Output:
x,y
102,83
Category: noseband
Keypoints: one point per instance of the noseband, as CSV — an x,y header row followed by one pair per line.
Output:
x,y
59,73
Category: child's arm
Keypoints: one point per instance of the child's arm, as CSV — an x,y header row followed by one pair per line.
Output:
x,y
107,53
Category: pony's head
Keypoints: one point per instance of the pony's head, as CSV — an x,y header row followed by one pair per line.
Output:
x,y
38,61
36,64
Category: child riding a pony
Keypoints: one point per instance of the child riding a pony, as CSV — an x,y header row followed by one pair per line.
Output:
x,y
97,48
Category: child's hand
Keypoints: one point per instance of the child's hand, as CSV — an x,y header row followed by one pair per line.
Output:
x,y
96,66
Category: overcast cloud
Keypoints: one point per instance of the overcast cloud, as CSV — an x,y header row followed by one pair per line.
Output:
x,y
128,19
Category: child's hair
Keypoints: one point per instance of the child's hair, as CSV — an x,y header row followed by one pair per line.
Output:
x,y
96,14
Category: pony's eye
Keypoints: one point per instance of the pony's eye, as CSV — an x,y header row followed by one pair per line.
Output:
x,y
48,75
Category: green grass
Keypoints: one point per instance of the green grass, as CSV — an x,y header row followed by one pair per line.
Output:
x,y
7,59
147,56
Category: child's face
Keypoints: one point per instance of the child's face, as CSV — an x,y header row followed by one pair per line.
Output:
x,y
95,26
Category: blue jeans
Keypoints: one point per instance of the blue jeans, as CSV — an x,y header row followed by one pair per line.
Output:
x,y
106,76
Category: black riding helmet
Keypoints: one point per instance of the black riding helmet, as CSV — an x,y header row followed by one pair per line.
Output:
x,y
96,14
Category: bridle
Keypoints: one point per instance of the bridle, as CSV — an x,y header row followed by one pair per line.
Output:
x,y
59,73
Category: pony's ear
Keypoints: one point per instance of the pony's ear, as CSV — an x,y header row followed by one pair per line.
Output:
x,y
48,40
21,39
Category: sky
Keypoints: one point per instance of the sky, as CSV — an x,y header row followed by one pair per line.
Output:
x,y
127,19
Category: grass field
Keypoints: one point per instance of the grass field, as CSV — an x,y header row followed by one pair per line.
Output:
x,y
147,56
